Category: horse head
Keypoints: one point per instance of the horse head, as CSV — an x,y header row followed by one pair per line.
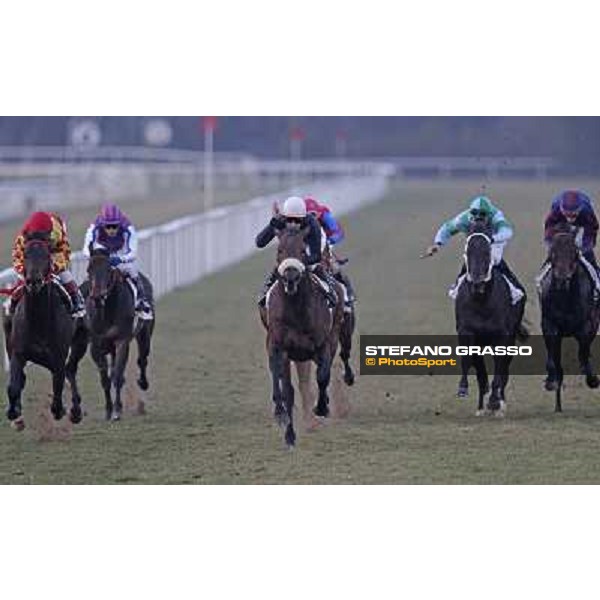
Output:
x,y
37,263
100,274
563,255
291,254
478,260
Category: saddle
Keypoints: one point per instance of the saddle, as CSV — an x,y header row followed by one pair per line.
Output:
x,y
515,293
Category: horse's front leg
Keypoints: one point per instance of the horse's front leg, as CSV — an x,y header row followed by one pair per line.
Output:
x,y
483,386
346,346
118,376
78,350
101,361
585,342
551,340
14,389
323,361
554,349
496,401
463,384
276,367
143,343
57,407
288,397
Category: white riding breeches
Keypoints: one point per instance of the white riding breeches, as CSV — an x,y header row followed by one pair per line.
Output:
x,y
66,277
497,250
129,268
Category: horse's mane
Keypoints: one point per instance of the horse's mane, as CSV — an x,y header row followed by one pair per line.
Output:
x,y
562,227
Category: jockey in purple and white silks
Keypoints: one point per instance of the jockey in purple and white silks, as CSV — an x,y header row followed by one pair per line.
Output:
x,y
113,231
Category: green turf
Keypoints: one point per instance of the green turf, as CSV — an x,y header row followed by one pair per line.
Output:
x,y
209,420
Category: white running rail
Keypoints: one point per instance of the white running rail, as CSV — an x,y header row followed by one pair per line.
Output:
x,y
183,251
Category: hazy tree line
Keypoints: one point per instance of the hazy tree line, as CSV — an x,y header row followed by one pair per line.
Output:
x,y
574,140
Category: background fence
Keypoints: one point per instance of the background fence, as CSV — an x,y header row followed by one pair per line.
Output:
x,y
59,177
184,250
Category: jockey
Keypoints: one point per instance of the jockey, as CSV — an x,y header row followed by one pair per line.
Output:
x,y
334,234
113,231
574,208
51,228
481,207
294,211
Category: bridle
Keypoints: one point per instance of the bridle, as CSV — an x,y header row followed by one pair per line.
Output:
x,y
47,274
113,277
465,257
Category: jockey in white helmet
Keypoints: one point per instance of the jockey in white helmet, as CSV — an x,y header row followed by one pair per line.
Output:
x,y
294,211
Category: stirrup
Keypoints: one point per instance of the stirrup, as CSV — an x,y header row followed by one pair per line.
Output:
x,y
144,311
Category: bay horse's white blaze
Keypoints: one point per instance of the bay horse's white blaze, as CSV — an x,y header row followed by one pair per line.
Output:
x,y
291,263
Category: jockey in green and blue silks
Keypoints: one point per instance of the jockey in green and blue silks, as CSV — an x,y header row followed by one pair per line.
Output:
x,y
480,208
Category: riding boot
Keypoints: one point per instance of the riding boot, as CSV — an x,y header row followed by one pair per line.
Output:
x,y
591,258
463,271
345,280
143,307
328,278
270,279
505,270
78,304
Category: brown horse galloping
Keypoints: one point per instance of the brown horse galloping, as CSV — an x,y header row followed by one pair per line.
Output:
x,y
300,327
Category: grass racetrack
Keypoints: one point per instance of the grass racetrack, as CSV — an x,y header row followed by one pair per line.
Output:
x,y
209,417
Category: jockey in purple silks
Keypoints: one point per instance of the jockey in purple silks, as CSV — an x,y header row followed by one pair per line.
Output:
x,y
574,208
113,231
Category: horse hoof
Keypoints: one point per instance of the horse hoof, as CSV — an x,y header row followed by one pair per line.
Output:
x,y
290,439
58,412
501,412
143,384
115,416
321,411
462,392
592,381
12,414
550,385
18,424
75,416
480,412
349,379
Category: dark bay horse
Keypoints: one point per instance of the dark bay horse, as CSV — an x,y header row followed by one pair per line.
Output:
x,y
110,305
486,316
568,310
300,327
41,330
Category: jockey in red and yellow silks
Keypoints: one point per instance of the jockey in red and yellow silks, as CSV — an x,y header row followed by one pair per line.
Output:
x,y
50,227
